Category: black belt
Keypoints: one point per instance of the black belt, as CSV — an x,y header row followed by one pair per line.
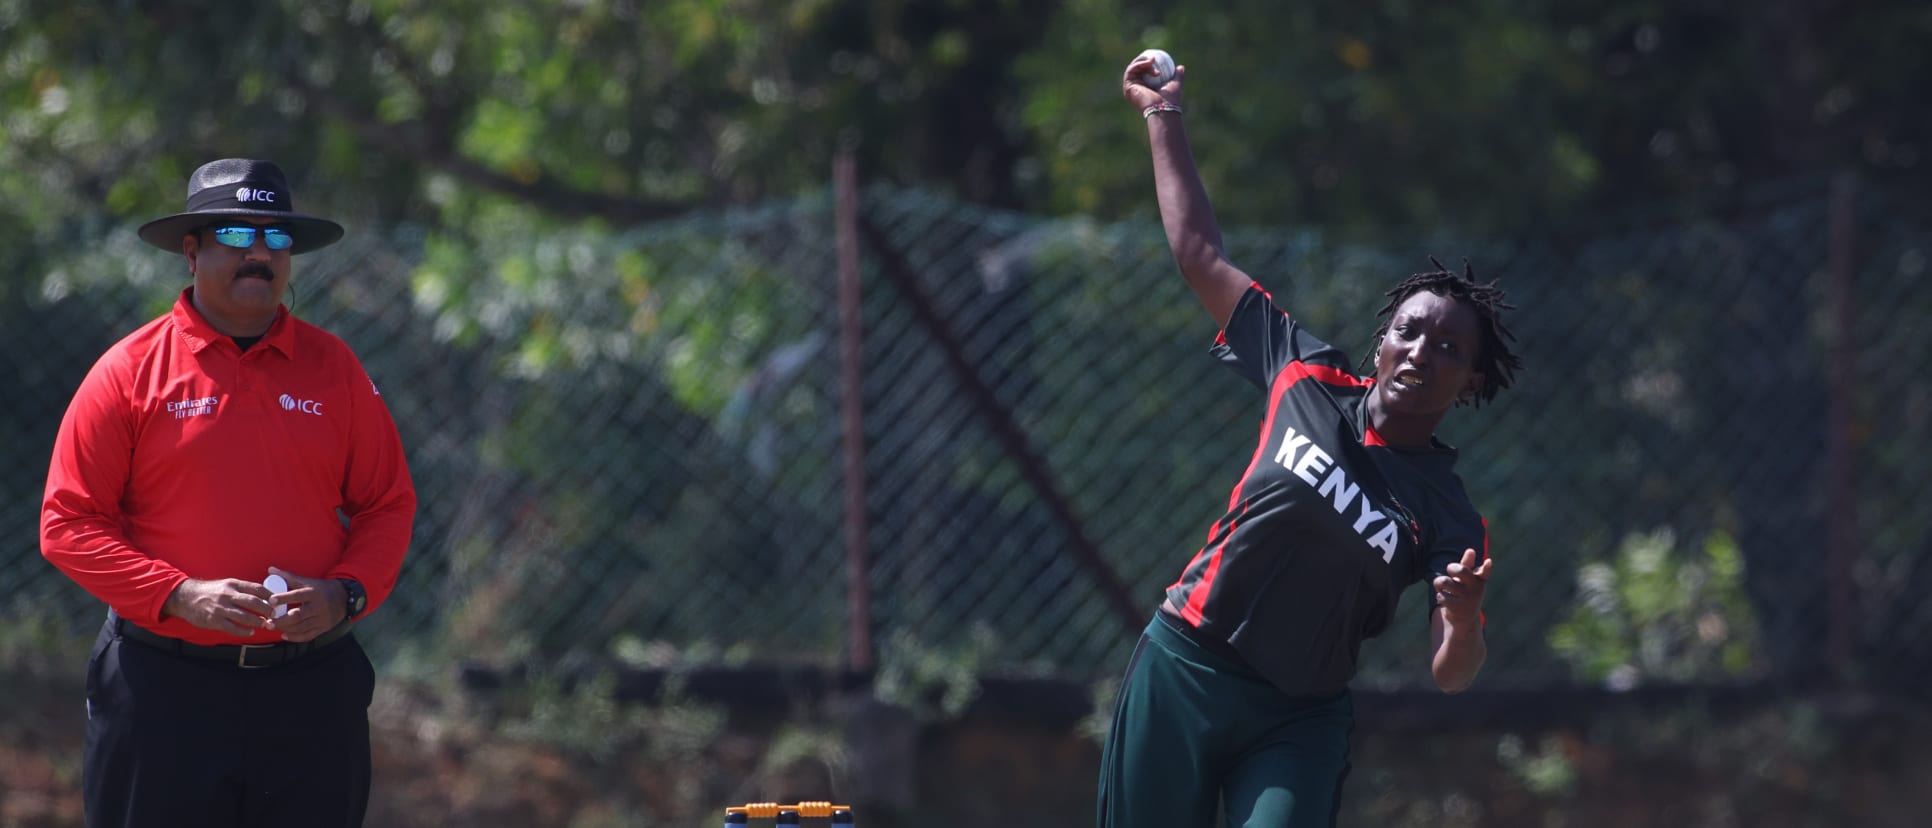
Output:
x,y
245,656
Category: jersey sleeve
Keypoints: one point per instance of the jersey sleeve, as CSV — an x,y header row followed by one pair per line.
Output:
x,y
81,531
378,496
1261,339
1466,532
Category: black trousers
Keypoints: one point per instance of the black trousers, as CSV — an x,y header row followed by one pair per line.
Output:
x,y
1195,732
175,741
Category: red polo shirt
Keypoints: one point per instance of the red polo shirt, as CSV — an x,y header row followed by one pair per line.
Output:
x,y
183,457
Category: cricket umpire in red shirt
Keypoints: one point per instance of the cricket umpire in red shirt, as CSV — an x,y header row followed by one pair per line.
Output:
x,y
214,447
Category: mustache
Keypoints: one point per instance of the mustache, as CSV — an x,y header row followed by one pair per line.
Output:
x,y
255,269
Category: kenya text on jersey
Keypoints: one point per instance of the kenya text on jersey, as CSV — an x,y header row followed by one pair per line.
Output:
x,y
1307,461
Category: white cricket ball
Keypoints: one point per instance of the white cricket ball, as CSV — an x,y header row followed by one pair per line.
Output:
x,y
1163,70
277,584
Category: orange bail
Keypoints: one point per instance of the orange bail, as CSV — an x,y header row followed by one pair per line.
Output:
x,y
767,810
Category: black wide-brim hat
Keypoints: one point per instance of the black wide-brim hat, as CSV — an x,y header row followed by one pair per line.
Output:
x,y
240,188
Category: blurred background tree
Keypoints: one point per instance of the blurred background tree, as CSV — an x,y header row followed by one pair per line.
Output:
x,y
1480,115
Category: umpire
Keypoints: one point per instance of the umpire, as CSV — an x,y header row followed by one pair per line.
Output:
x,y
217,445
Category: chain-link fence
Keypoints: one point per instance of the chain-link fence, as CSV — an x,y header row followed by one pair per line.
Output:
x,y
632,443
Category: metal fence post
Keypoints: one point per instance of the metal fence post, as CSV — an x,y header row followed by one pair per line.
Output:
x,y
852,415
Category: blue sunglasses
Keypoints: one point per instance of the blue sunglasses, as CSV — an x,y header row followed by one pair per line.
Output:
x,y
243,236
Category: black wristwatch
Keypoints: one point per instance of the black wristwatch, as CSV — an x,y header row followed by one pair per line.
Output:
x,y
358,599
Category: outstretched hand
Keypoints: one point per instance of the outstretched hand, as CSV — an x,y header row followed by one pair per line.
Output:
x,y
1143,96
1459,591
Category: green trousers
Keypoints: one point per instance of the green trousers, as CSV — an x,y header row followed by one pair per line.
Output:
x,y
1196,733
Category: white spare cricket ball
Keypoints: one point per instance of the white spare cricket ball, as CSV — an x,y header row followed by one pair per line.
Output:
x,y
278,585
1163,70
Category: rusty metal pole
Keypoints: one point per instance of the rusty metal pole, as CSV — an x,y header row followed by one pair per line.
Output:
x,y
858,584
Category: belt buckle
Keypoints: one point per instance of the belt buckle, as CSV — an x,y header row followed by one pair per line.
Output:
x,y
241,657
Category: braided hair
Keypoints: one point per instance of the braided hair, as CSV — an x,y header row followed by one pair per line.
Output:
x,y
1496,362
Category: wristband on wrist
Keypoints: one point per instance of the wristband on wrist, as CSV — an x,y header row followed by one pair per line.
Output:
x,y
1163,106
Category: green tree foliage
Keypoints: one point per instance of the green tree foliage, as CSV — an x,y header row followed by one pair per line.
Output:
x,y
1660,612
423,111
1474,113
1480,115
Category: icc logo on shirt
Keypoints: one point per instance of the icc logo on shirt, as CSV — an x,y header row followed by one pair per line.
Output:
x,y
305,406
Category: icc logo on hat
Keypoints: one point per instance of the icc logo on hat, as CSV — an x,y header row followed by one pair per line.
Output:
x,y
240,188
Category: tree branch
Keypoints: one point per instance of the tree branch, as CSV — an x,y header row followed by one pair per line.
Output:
x,y
432,150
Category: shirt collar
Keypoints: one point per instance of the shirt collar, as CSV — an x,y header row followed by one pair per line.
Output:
x,y
1366,433
195,328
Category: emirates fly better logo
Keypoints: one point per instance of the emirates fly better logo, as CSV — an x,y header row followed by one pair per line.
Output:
x,y
305,406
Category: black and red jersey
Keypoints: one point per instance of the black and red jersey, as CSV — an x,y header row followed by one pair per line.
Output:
x,y
1328,524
